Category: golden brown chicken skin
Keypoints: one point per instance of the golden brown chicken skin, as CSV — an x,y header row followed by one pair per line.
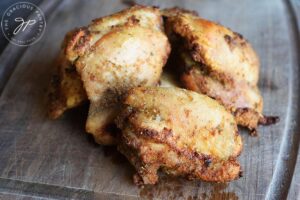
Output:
x,y
112,55
180,132
66,89
217,62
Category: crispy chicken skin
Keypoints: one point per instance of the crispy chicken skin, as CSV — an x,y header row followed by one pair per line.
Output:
x,y
180,132
113,54
66,89
84,38
226,54
217,62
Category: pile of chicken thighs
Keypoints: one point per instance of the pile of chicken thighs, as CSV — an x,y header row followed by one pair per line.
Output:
x,y
182,119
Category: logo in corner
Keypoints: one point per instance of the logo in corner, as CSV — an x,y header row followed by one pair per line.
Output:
x,y
23,23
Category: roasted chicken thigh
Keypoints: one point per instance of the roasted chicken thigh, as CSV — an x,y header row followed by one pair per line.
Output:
x,y
181,132
113,54
215,61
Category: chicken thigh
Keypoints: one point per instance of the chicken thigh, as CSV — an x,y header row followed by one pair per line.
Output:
x,y
112,55
180,132
215,61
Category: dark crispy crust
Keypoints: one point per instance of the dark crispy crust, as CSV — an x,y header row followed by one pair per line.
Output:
x,y
192,167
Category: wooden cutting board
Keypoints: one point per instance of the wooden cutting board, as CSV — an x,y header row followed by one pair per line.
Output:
x,y
40,158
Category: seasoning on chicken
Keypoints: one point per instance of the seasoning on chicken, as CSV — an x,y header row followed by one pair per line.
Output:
x,y
217,62
113,54
180,132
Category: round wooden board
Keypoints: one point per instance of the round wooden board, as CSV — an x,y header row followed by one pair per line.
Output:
x,y
56,159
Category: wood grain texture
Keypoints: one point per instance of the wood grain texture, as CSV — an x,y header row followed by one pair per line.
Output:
x,y
56,159
294,6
